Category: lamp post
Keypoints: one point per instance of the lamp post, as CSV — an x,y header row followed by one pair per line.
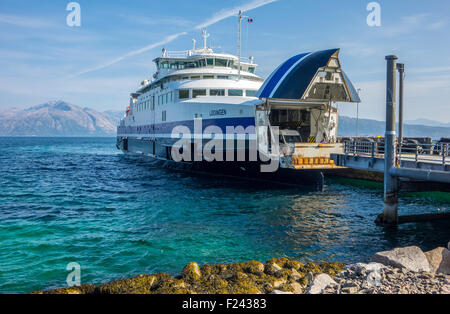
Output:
x,y
401,71
357,112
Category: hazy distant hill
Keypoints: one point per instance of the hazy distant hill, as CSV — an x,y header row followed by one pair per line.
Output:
x,y
428,123
58,118
347,127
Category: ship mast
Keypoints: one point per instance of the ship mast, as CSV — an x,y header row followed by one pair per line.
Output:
x,y
205,39
239,47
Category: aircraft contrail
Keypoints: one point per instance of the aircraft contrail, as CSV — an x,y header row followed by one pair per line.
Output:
x,y
223,14
166,40
226,13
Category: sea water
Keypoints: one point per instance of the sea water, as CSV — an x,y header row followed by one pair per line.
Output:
x,y
80,200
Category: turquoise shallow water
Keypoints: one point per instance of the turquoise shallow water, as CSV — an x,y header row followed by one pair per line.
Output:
x,y
79,200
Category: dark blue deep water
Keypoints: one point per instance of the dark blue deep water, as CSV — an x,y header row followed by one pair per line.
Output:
x,y
66,200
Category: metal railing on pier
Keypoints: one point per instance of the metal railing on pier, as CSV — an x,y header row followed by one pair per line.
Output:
x,y
409,150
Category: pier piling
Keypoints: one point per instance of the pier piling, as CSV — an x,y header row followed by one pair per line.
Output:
x,y
390,211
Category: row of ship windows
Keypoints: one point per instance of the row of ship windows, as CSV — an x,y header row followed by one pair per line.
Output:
x,y
194,93
210,77
176,78
209,62
191,93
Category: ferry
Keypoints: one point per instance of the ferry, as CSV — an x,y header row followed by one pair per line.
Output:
x,y
212,111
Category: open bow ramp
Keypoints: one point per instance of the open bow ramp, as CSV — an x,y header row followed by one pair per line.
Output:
x,y
299,97
314,76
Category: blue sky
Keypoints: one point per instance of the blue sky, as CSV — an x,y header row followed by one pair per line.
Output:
x,y
98,64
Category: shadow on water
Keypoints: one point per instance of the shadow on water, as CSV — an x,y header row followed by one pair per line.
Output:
x,y
307,220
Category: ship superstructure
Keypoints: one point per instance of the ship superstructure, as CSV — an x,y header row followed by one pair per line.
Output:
x,y
199,96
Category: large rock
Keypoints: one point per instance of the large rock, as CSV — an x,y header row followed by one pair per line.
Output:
x,y
446,288
191,272
371,272
254,267
296,288
361,268
439,260
280,292
319,283
411,258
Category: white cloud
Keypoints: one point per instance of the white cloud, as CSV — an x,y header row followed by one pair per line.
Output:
x,y
430,70
161,20
411,24
22,21
423,99
437,25
166,40
359,49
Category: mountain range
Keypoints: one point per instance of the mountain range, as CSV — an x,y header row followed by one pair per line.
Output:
x,y
59,118
367,127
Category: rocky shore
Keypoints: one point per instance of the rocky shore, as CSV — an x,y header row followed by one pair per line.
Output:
x,y
400,271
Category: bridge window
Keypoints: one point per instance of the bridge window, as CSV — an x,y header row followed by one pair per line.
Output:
x,y
208,77
198,92
235,92
183,94
222,77
217,92
164,116
192,64
197,77
251,93
210,62
251,69
221,63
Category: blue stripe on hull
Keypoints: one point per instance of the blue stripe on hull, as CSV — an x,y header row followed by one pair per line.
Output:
x,y
167,128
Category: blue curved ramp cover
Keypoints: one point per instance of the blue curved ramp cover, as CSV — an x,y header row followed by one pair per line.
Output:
x,y
353,93
292,79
